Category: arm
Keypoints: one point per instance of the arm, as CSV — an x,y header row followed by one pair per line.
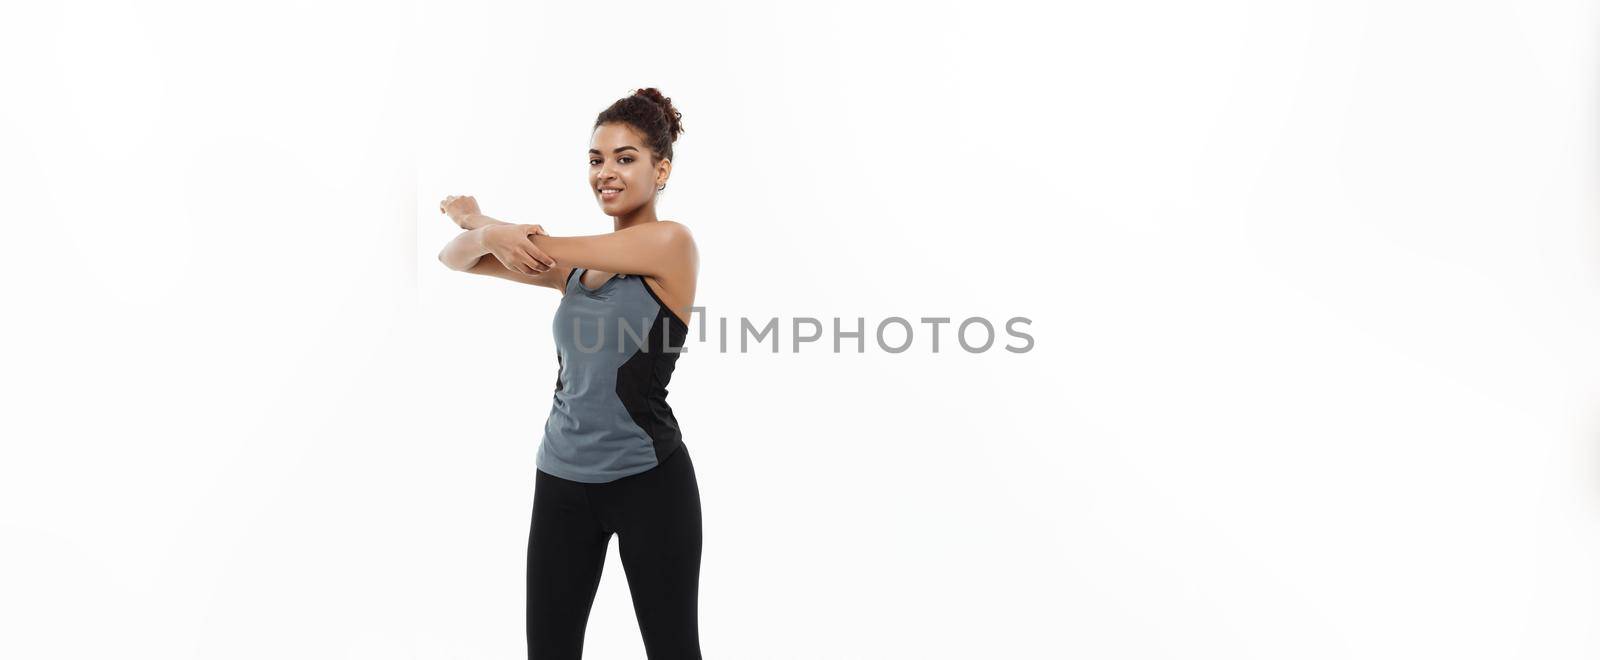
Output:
x,y
478,221
507,242
663,249
555,278
464,250
471,252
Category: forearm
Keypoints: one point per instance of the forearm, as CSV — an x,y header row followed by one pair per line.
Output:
x,y
479,221
465,249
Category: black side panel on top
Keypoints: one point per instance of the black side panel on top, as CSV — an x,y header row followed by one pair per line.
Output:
x,y
559,367
642,382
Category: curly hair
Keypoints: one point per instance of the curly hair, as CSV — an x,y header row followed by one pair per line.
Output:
x,y
650,113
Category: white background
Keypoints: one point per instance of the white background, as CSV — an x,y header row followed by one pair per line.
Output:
x,y
1313,287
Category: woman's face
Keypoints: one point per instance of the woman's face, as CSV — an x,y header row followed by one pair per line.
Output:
x,y
620,161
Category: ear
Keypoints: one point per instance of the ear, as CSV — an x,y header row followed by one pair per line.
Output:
x,y
663,171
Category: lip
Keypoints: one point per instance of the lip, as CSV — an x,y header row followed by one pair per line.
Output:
x,y
608,196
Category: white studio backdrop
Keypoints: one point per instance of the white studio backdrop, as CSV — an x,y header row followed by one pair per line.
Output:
x,y
1312,287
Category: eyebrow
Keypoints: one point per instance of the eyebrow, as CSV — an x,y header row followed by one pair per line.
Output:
x,y
617,150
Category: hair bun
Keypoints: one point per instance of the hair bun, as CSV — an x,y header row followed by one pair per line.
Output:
x,y
674,118
651,115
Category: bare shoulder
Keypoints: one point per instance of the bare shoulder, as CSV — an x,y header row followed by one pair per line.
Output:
x,y
675,230
677,283
679,242
678,234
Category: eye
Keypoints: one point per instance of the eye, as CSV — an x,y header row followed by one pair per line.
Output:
x,y
594,161
626,159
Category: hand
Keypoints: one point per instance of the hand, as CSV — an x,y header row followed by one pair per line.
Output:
x,y
511,245
458,208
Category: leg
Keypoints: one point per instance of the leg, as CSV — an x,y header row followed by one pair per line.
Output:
x,y
566,553
659,540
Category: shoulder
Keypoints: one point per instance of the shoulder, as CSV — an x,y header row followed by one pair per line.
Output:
x,y
675,230
676,238
660,232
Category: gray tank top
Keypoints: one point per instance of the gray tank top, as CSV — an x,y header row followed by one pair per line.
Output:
x,y
616,346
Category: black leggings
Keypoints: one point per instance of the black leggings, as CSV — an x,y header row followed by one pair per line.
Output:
x,y
656,516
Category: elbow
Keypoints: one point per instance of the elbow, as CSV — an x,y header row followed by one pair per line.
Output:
x,y
447,263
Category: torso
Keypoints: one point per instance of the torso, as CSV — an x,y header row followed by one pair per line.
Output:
x,y
616,344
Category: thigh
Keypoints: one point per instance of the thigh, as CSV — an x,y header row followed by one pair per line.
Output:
x,y
659,539
566,553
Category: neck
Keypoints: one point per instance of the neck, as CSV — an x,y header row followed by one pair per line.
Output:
x,y
643,214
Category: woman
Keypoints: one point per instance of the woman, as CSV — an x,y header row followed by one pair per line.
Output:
x,y
612,458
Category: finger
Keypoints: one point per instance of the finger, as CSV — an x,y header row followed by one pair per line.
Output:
x,y
532,261
547,260
533,256
543,258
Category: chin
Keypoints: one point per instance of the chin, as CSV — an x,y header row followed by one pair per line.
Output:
x,y
618,207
